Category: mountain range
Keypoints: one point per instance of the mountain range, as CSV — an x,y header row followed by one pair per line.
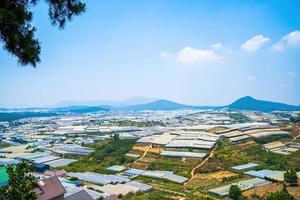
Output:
x,y
111,103
244,103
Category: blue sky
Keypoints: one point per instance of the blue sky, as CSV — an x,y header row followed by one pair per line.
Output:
x,y
195,52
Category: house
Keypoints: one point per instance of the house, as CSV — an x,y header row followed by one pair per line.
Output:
x,y
50,189
81,195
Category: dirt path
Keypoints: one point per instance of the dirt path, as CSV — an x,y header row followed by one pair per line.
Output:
x,y
145,153
295,138
211,154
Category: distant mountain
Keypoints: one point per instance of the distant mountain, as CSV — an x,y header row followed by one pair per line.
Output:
x,y
111,103
249,103
244,103
160,105
80,109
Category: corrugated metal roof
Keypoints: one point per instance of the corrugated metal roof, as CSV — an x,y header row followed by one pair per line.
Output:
x,y
119,189
175,178
134,171
245,166
81,195
30,156
60,162
8,161
261,173
44,159
182,154
239,138
143,187
243,185
96,178
200,144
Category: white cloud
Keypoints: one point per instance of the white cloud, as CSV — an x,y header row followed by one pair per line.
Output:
x,y
292,39
251,78
254,43
189,55
216,46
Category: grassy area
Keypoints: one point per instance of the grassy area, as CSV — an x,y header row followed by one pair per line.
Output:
x,y
152,195
229,154
177,165
107,153
161,183
271,160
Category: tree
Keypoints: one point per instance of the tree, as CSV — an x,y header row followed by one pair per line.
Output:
x,y
291,177
17,33
235,192
116,137
21,183
280,195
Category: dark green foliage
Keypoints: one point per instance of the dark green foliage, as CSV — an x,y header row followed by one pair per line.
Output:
x,y
152,195
106,153
290,176
272,138
116,136
229,154
20,184
295,119
231,178
281,195
235,192
271,160
16,30
239,117
20,115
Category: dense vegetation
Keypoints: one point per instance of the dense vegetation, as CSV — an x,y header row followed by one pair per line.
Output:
x,y
272,138
229,154
235,192
291,177
21,183
281,195
295,119
20,115
106,153
176,165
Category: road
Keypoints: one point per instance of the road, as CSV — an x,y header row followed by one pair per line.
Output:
x,y
211,154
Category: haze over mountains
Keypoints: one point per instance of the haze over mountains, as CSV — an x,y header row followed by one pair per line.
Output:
x,y
112,103
140,104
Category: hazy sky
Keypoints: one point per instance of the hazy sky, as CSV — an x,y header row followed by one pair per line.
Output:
x,y
196,52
